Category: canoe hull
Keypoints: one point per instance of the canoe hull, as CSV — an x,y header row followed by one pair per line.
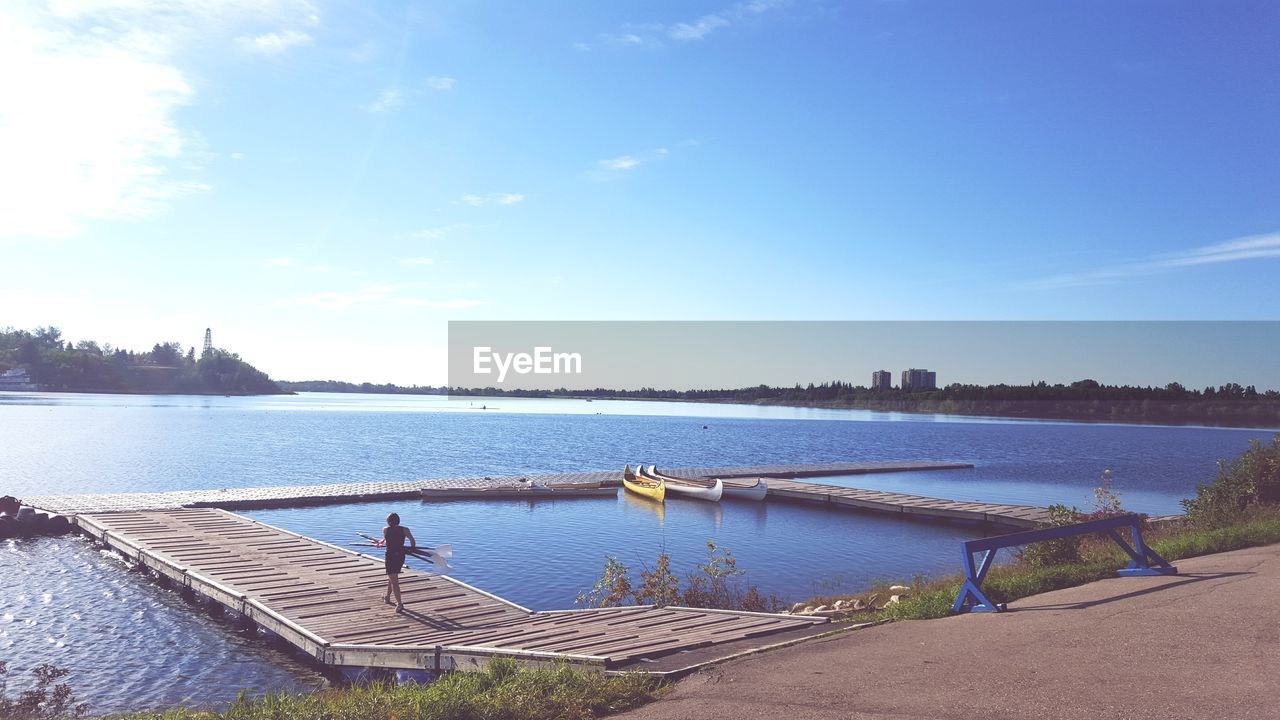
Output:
x,y
741,489
709,491
644,487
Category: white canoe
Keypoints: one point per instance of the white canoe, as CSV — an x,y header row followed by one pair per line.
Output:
x,y
710,490
745,488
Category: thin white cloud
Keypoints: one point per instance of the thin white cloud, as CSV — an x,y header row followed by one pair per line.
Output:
x,y
275,43
237,156
378,295
282,262
697,29
623,163
490,199
417,261
89,102
436,82
388,99
681,31
435,233
1253,247
363,53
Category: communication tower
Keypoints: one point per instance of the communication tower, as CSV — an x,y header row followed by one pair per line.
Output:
x,y
208,341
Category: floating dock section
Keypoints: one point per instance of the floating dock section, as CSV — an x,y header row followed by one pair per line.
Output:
x,y
326,601
302,495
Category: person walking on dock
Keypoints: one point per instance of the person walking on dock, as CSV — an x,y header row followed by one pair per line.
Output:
x,y
395,534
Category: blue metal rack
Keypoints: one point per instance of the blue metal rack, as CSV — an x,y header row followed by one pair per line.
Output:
x,y
1143,560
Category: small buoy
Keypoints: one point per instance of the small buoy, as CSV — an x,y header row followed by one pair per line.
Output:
x,y
704,427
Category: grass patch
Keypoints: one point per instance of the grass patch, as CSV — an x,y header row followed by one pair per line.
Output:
x,y
503,691
1099,558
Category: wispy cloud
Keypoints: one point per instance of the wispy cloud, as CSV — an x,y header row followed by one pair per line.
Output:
x,y
435,82
374,295
363,53
623,163
435,233
275,43
490,199
681,31
417,261
697,29
1253,247
387,100
282,262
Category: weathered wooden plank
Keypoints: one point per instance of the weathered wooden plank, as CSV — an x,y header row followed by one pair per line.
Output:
x,y
316,596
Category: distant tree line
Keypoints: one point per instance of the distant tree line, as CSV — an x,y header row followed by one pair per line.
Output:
x,y
55,363
1230,404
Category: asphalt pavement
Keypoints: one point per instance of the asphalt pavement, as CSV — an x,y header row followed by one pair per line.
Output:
x,y
1202,644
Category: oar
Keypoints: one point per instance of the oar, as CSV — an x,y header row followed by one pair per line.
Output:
x,y
438,556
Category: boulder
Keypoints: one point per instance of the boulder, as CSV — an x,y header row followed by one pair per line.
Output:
x,y
899,589
858,605
797,608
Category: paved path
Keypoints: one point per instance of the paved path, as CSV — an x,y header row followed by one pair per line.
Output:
x,y
1203,644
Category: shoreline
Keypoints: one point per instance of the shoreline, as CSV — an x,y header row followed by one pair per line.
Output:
x,y
1029,417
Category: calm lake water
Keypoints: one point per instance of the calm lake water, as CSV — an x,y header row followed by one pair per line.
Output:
x,y
132,645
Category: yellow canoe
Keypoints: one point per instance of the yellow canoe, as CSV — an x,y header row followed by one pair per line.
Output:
x,y
652,489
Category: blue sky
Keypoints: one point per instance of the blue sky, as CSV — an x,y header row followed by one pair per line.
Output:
x,y
326,185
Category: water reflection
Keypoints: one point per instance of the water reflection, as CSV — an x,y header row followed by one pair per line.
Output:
x,y
645,505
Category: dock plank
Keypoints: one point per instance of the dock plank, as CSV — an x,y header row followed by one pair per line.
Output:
x,y
328,600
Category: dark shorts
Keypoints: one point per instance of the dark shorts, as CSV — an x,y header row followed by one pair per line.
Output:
x,y
393,563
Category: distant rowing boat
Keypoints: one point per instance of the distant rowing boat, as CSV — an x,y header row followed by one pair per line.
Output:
x,y
701,489
521,491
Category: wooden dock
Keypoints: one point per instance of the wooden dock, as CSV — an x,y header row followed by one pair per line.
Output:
x,y
326,601
303,495
913,506
783,485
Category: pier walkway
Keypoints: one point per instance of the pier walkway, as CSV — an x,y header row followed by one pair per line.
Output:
x,y
326,601
300,495
782,479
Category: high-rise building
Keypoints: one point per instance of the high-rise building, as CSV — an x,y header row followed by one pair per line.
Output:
x,y
919,379
881,380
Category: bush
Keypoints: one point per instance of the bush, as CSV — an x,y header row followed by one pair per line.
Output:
x,y
717,583
1253,479
1055,552
48,700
